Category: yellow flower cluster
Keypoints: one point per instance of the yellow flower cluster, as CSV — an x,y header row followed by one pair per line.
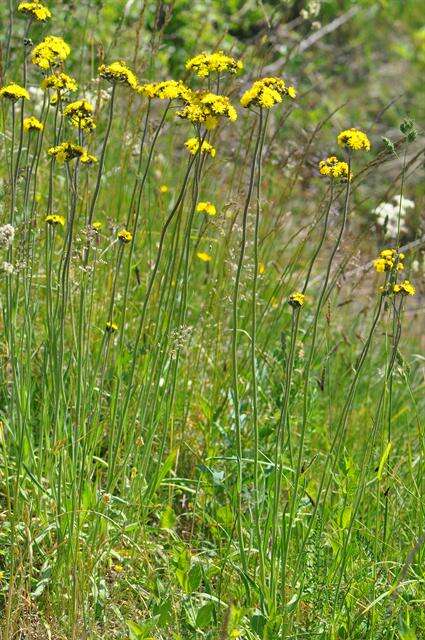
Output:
x,y
266,93
206,63
192,145
334,169
207,108
32,124
118,72
125,236
59,81
54,219
36,10
388,260
206,207
67,151
87,158
354,139
405,288
51,51
80,115
296,299
14,92
166,90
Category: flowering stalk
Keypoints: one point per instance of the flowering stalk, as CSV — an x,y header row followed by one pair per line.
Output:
x,y
138,187
284,414
307,369
337,439
102,157
152,279
370,448
234,347
262,131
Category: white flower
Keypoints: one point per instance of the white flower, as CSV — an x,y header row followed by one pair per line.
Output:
x,y
387,215
7,233
313,8
404,203
8,268
384,211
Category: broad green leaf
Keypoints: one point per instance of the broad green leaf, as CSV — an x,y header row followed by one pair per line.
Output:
x,y
168,518
195,577
346,517
204,615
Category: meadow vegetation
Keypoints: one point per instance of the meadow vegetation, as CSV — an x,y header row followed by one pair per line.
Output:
x,y
211,292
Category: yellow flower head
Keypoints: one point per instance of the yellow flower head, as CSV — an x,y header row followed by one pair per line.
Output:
x,y
164,188
192,145
207,108
166,90
205,257
96,226
118,72
389,259
32,124
80,115
51,51
266,93
14,92
60,81
296,299
354,139
206,207
66,151
406,288
218,62
111,327
334,169
125,236
54,219
36,10
381,265
88,158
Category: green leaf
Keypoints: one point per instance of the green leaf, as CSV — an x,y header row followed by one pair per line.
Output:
x,y
384,458
189,576
258,623
225,516
195,577
204,615
181,576
168,518
141,631
163,612
136,631
346,517
405,632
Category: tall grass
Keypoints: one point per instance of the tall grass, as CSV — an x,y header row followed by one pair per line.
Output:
x,y
185,454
